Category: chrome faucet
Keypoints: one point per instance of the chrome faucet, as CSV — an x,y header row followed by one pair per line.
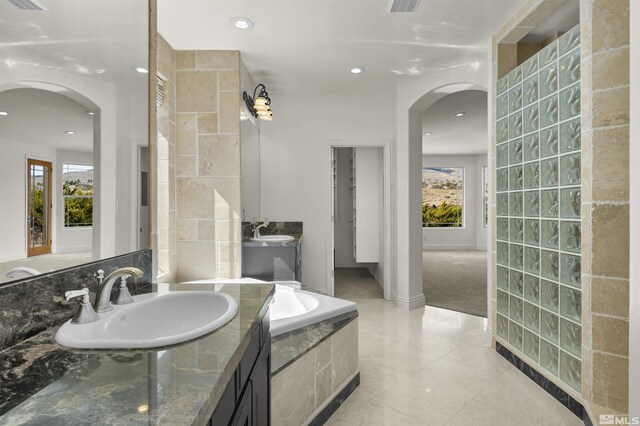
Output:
x,y
256,232
103,295
30,272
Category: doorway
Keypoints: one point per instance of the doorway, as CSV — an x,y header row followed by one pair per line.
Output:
x,y
38,207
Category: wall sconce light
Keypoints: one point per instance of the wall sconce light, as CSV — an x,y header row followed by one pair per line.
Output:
x,y
260,104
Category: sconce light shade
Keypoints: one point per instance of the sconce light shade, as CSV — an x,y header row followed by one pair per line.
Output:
x,y
259,105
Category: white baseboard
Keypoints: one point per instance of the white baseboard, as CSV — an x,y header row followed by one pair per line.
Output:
x,y
13,256
408,304
449,247
73,249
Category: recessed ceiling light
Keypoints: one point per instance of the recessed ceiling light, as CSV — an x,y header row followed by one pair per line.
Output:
x,y
141,70
70,132
460,114
3,113
428,134
242,23
357,70
91,113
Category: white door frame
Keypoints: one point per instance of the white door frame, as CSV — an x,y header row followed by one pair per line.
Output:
x,y
385,144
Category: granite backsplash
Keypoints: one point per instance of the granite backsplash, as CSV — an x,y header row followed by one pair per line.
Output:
x,y
34,304
274,228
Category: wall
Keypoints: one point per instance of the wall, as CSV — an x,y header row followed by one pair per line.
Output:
x,y
295,162
462,238
343,227
250,152
208,207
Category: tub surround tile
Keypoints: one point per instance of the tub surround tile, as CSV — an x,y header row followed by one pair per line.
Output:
x,y
293,392
336,402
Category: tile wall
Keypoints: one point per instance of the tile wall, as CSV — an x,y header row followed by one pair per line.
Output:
x,y
538,209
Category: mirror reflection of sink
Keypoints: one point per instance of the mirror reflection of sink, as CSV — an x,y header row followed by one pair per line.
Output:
x,y
153,320
274,238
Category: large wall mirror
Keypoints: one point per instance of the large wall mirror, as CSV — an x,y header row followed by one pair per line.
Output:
x,y
73,133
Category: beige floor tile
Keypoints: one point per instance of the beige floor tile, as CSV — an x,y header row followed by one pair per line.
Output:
x,y
479,414
372,414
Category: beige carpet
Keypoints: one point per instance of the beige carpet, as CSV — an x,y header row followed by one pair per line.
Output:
x,y
456,280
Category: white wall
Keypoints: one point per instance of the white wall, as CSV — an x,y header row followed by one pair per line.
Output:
x,y
343,227
295,161
465,238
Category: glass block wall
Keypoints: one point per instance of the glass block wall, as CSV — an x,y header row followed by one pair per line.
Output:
x,y
538,160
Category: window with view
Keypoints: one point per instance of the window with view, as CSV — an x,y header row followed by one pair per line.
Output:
x,y
77,191
442,197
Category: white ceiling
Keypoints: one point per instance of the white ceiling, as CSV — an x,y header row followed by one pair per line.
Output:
x,y
41,117
306,46
451,135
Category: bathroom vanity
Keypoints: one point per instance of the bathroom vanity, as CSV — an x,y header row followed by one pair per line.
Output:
x,y
222,378
270,260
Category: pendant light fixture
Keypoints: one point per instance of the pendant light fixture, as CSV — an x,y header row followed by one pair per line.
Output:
x,y
259,105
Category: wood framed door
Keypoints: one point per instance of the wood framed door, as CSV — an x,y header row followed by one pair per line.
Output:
x,y
38,207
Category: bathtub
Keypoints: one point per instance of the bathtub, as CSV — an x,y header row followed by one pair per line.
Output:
x,y
293,308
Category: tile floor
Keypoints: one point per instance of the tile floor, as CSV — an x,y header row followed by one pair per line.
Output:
x,y
431,367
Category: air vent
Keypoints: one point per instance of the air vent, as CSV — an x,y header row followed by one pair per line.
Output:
x,y
403,5
27,4
160,85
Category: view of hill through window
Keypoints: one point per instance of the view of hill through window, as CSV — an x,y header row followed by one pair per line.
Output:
x,y
442,196
77,190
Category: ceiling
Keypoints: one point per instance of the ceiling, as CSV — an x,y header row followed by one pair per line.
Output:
x,y
562,20
451,135
41,117
307,46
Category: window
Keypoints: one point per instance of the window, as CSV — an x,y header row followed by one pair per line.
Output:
x,y
77,191
485,196
442,197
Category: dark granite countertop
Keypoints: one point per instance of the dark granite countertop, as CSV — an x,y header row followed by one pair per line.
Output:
x,y
297,239
42,382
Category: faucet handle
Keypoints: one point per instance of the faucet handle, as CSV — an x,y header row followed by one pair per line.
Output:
x,y
85,313
77,293
124,297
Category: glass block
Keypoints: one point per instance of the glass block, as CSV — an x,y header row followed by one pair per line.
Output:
x,y
571,371
569,40
531,317
570,102
502,180
549,326
502,204
550,265
515,151
548,80
571,303
515,335
503,278
531,147
549,203
571,337
570,135
515,76
532,232
532,260
516,309
516,283
517,230
532,288
530,67
549,172
515,99
515,125
532,175
532,203
570,270
549,356
530,119
530,90
502,155
503,327
502,106
516,256
502,228
548,54
549,142
515,203
502,253
549,234
531,345
502,85
503,302
515,177
570,169
570,69
502,130
549,111
570,203
570,237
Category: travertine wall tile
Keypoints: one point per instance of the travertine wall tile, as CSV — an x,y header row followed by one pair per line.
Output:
x,y
219,155
611,69
195,260
229,115
610,239
187,230
186,166
208,123
186,134
610,24
229,80
206,230
610,167
611,381
610,296
345,354
610,107
196,91
610,335
185,60
218,60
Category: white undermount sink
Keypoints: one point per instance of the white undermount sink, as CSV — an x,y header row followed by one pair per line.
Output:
x,y
273,238
153,320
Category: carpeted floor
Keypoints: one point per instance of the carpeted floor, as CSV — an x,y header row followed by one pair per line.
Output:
x,y
456,280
